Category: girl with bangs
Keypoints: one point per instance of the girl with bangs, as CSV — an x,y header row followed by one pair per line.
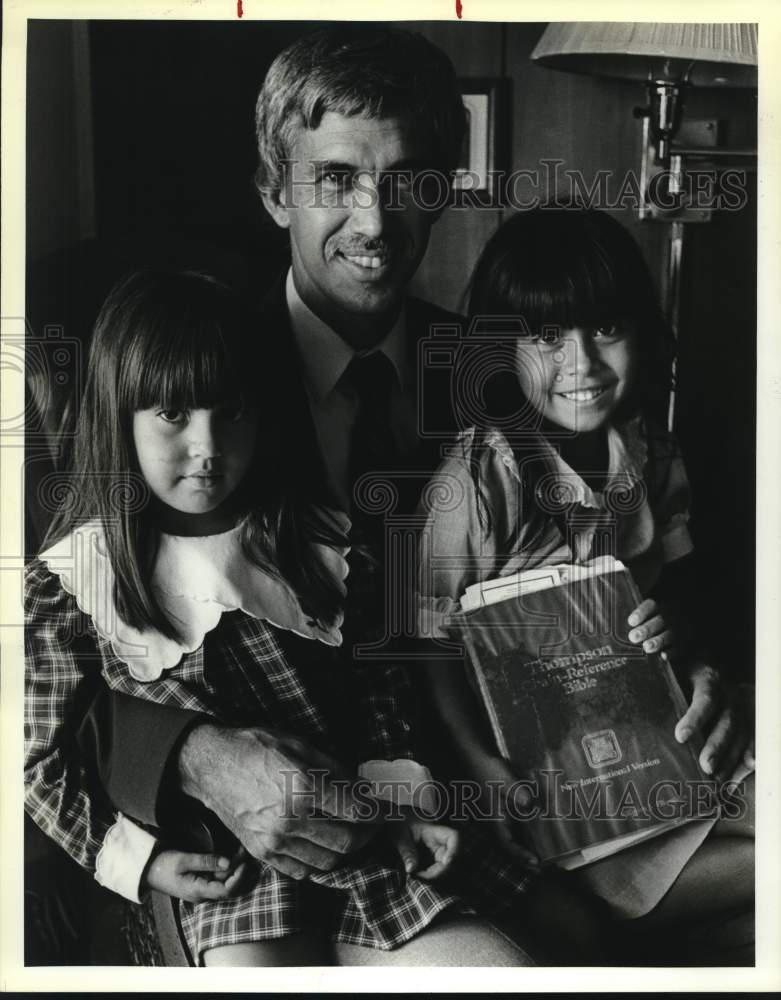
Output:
x,y
188,568
571,358
172,351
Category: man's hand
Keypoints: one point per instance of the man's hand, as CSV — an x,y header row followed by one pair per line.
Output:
x,y
724,718
289,804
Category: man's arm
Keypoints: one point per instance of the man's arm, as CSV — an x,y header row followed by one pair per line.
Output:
x,y
289,804
134,742
720,710
62,794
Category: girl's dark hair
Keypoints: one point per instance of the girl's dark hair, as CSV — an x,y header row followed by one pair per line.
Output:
x,y
183,340
566,266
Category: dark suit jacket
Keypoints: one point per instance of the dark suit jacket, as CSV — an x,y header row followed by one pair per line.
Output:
x,y
134,743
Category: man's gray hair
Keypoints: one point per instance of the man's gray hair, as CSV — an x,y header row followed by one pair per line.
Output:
x,y
374,72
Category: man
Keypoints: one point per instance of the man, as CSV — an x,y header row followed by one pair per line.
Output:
x,y
348,124
341,154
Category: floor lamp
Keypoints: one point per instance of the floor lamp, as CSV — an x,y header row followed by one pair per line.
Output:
x,y
670,59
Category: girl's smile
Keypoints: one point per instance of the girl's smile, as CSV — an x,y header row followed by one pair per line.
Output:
x,y
576,378
585,395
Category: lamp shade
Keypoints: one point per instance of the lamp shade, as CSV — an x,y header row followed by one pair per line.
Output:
x,y
708,55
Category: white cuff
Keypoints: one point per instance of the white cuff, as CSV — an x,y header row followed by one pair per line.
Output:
x,y
123,858
404,782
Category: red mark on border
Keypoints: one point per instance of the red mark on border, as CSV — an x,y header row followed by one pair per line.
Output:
x,y
459,8
239,9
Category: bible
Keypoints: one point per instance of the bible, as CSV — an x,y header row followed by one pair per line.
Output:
x,y
583,715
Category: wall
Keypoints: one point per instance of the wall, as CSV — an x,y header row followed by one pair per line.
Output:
x,y
60,168
585,123
458,236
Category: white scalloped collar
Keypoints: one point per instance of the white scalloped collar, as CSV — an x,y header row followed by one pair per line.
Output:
x,y
195,580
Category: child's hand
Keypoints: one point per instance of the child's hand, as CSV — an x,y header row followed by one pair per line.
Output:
x,y
649,628
196,877
441,842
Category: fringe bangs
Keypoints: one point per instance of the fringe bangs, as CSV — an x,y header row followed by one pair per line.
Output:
x,y
185,351
565,281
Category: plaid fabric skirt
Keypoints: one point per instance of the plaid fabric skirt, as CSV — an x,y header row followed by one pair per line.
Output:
x,y
372,902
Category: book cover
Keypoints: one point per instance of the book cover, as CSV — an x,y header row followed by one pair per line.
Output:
x,y
584,714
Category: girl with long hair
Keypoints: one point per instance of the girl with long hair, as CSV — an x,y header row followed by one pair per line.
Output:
x,y
570,358
188,567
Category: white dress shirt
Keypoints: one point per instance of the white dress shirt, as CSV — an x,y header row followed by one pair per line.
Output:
x,y
324,357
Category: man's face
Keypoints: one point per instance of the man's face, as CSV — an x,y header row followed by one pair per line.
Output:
x,y
357,234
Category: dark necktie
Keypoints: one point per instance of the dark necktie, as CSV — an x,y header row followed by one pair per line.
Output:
x,y
373,445
373,449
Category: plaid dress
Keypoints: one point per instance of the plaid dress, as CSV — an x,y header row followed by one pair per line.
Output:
x,y
244,674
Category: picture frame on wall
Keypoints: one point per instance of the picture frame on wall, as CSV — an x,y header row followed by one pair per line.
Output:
x,y
485,153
